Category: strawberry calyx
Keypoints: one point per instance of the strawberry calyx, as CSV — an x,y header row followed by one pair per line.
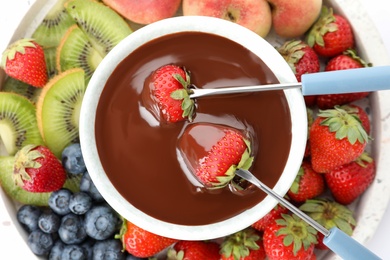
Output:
x,y
188,104
364,159
292,52
122,232
240,243
17,47
26,158
295,185
330,214
324,24
245,163
296,232
353,54
344,125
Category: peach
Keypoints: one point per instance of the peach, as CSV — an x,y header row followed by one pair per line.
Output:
x,y
252,14
292,18
145,11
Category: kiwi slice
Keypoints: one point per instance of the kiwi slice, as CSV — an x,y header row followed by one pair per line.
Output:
x,y
58,109
50,32
104,27
18,122
76,51
21,88
25,197
50,58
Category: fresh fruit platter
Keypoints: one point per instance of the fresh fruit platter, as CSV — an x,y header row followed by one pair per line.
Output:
x,y
46,186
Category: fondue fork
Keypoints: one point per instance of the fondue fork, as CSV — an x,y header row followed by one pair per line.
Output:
x,y
335,239
330,82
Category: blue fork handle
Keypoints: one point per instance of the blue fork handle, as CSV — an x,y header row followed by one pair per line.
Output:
x,y
346,81
347,247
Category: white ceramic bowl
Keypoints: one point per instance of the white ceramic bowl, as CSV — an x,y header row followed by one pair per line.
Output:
x,y
223,28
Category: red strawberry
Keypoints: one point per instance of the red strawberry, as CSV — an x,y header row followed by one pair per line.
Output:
x,y
329,214
142,243
243,245
302,59
24,60
37,169
349,181
331,34
170,89
214,152
194,250
289,237
308,184
347,60
310,120
336,138
270,217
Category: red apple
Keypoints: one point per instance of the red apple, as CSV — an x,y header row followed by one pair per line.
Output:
x,y
252,14
144,11
292,18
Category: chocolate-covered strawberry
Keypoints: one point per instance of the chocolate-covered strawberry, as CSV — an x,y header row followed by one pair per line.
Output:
x,y
214,152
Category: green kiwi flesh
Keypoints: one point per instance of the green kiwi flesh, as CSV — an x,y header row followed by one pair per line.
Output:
x,y
58,109
105,33
76,51
50,58
25,197
51,30
18,122
21,88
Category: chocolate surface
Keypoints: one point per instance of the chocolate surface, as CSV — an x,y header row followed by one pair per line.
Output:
x,y
140,156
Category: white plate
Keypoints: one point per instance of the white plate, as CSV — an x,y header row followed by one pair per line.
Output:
x,y
369,209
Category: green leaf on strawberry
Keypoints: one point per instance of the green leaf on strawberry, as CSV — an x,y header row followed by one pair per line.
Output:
x,y
296,232
330,214
324,24
344,125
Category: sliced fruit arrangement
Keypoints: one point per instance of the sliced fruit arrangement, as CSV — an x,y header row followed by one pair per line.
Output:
x,y
41,109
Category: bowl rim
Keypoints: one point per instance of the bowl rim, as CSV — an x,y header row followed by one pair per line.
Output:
x,y
234,32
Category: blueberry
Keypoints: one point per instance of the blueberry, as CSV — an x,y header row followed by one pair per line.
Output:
x,y
108,249
88,246
74,252
87,185
101,222
28,216
80,203
72,229
49,222
40,242
72,159
56,250
59,201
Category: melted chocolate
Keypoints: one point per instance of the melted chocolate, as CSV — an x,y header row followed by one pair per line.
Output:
x,y
140,155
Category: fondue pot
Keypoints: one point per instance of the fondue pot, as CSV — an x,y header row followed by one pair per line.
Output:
x,y
238,34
